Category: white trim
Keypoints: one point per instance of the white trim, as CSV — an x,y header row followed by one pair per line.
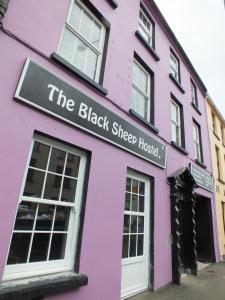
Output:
x,y
99,51
175,122
174,60
146,247
28,269
146,95
144,28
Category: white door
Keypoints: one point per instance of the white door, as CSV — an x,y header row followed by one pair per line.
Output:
x,y
135,256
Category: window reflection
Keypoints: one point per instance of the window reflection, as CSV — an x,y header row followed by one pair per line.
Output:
x,y
25,216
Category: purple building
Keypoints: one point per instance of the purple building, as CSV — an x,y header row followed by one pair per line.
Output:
x,y
106,176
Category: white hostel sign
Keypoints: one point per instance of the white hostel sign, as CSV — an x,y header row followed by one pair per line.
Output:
x,y
43,90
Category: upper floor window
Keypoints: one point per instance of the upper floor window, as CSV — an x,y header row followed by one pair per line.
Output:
x,y
214,122
174,66
222,133
176,123
194,94
218,162
197,142
146,28
47,221
141,94
83,40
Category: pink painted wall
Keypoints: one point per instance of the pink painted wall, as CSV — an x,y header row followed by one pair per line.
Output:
x,y
40,23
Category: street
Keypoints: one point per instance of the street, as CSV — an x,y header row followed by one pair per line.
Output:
x,y
209,284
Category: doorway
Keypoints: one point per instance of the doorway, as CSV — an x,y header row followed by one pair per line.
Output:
x,y
204,231
136,236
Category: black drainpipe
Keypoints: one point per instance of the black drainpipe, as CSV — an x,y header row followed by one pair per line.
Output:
x,y
3,9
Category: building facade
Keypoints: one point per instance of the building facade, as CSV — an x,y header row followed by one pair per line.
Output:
x,y
106,171
216,125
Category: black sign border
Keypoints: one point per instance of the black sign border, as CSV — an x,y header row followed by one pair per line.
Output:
x,y
18,97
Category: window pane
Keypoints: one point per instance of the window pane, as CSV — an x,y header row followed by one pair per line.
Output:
x,y
126,224
144,34
141,203
141,188
45,217
174,113
140,78
174,132
134,186
96,33
128,184
52,187
58,246
133,224
75,16
62,218
34,183
133,241
125,246
139,103
72,165
39,155
134,206
69,189
67,45
57,161
80,55
91,63
19,248
25,216
86,25
140,244
127,201
140,224
39,248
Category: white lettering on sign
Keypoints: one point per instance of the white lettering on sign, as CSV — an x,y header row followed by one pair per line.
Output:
x,y
61,100
148,148
123,134
87,113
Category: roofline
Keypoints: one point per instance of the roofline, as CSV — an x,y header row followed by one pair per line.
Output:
x,y
213,105
177,44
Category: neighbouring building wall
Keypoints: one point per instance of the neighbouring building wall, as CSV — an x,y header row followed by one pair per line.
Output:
x,y
216,127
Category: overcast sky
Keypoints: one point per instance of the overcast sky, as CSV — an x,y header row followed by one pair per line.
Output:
x,y
199,25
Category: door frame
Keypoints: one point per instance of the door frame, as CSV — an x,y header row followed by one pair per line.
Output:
x,y
151,206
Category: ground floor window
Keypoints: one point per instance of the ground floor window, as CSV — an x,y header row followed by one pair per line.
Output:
x,y
46,226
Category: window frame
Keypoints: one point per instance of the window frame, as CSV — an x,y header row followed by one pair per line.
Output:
x,y
222,133
197,142
24,270
218,162
177,76
177,124
151,34
100,64
181,146
214,125
148,95
194,95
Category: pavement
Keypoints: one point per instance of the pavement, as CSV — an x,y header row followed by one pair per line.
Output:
x,y
208,285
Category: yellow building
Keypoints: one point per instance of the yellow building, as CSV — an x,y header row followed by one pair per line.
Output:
x,y
217,138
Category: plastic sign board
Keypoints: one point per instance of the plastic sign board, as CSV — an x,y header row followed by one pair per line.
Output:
x,y
47,92
202,178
